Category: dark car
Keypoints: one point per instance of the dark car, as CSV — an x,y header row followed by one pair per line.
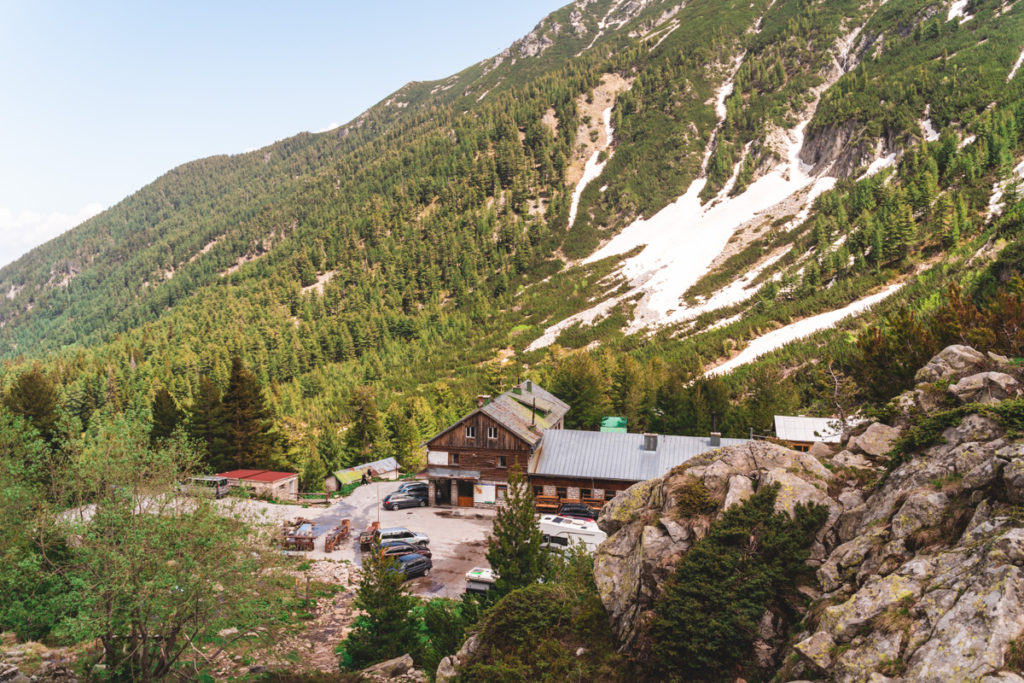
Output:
x,y
420,489
396,548
578,510
399,499
413,565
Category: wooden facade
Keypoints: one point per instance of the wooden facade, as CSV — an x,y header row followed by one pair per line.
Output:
x,y
577,487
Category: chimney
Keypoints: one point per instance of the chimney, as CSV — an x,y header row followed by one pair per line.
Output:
x,y
482,400
533,413
650,442
529,386
716,439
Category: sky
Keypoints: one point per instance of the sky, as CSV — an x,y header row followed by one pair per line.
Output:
x,y
101,98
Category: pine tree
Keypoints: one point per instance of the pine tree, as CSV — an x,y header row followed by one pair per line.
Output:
x,y
386,629
34,397
166,416
579,382
514,547
206,422
247,419
364,432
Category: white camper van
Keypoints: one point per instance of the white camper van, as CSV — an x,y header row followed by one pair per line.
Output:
x,y
561,532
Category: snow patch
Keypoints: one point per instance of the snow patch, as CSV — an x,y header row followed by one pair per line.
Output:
x,y
778,338
1013,71
930,134
958,10
879,164
995,201
593,167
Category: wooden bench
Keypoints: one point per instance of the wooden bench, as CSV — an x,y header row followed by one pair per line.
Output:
x,y
366,537
547,503
596,503
574,501
337,536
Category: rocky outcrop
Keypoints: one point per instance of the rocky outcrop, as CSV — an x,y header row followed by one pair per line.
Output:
x,y
651,525
399,669
952,362
921,575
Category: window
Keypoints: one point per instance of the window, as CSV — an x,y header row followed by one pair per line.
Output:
x,y
585,493
501,461
609,494
501,491
560,492
455,458
492,432
470,432
538,490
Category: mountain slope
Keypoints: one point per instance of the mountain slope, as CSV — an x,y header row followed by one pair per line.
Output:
x,y
707,171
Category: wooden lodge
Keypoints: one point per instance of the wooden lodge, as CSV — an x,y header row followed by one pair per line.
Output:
x,y
468,463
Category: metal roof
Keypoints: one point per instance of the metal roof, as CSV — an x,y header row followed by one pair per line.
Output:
x,y
792,428
612,455
257,475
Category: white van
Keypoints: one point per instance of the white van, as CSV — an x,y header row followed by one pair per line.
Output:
x,y
561,532
206,486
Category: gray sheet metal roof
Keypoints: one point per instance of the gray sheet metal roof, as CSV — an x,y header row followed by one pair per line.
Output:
x,y
791,428
610,455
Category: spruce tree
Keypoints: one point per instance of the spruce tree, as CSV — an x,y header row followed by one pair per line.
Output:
x,y
247,419
206,422
166,416
34,397
514,547
386,629
364,432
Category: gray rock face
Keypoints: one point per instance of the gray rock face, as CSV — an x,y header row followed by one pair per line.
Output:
x,y
647,537
1013,479
985,387
876,441
952,362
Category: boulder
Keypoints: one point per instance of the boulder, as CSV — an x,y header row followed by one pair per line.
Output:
x,y
848,459
920,510
861,663
952,362
820,450
973,636
985,387
740,489
391,668
876,440
817,649
1013,480
853,616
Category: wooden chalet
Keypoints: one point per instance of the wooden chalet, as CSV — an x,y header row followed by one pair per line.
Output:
x,y
468,463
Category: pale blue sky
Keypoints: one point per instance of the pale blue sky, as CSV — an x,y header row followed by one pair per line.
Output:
x,y
97,99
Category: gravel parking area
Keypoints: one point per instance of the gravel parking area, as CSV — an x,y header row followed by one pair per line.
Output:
x,y
458,536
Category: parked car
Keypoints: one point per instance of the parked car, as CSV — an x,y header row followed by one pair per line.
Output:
x,y
413,565
561,532
480,579
420,489
398,533
577,510
401,499
396,548
206,486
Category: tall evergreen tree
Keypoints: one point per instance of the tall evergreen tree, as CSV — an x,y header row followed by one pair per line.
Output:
x,y
247,419
166,416
514,547
34,397
578,381
206,422
364,432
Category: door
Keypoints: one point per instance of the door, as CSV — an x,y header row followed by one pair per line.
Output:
x,y
465,493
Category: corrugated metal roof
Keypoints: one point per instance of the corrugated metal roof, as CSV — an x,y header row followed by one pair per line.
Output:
x,y
611,455
793,428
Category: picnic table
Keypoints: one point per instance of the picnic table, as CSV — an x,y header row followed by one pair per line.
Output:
x,y
337,536
547,503
298,535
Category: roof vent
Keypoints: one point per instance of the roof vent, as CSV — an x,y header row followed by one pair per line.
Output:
x,y
716,439
650,442
482,400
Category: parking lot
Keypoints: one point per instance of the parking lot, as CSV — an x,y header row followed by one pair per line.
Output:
x,y
458,536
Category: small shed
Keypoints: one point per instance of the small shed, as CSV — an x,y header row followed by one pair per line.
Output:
x,y
801,432
382,469
283,485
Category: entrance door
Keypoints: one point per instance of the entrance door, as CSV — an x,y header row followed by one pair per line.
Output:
x,y
442,491
465,493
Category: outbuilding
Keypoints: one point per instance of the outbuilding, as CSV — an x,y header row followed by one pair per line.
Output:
x,y
282,485
380,469
800,432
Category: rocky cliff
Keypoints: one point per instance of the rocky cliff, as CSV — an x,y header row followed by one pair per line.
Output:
x,y
919,564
